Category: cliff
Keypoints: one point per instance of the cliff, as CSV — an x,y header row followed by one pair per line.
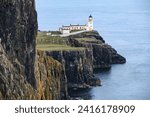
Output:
x,y
103,54
78,67
18,28
51,78
84,53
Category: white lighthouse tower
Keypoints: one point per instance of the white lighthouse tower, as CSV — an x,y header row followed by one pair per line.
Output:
x,y
90,25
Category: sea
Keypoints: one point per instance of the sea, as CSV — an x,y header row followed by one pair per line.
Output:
x,y
125,25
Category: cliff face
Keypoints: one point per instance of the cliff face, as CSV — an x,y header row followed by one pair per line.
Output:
x,y
102,57
103,54
78,67
18,28
12,79
51,78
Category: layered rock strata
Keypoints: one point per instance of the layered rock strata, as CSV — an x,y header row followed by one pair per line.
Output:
x,y
78,67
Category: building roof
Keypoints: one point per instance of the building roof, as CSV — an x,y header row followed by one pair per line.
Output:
x,y
72,25
77,25
65,26
90,16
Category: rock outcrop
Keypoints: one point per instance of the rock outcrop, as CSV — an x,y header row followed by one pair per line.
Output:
x,y
78,67
103,54
13,84
18,28
51,78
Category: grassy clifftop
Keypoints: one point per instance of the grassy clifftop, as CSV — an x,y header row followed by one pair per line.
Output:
x,y
54,43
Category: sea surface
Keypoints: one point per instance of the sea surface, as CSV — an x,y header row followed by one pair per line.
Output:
x,y
124,24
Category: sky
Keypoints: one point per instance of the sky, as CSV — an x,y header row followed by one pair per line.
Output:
x,y
52,14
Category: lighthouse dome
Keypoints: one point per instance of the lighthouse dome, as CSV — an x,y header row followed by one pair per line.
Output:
x,y
90,16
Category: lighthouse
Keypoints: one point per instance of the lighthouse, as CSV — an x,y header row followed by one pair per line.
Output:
x,y
90,26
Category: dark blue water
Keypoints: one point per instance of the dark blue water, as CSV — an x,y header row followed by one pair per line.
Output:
x,y
124,24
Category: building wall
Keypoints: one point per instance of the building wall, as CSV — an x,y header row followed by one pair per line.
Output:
x,y
78,27
90,25
65,31
74,27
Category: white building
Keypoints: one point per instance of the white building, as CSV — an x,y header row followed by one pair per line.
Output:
x,y
68,29
65,31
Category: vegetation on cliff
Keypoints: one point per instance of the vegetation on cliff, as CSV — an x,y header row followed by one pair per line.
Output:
x,y
52,80
53,43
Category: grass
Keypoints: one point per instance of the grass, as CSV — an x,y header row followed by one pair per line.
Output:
x,y
88,40
55,32
54,43
43,38
75,31
56,47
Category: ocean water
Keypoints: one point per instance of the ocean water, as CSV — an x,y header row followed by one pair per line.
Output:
x,y
124,24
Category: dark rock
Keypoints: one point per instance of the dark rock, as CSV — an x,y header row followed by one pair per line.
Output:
x,y
102,57
103,54
94,82
118,59
77,64
90,34
52,78
18,28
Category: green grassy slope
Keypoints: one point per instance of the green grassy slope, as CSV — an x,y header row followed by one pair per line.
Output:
x,y
52,43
